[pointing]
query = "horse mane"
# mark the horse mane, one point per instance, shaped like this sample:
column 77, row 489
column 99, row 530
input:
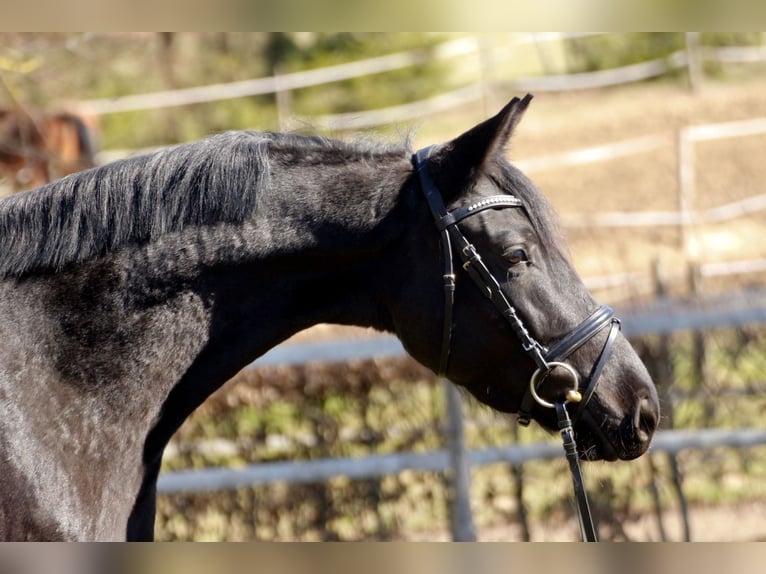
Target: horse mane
column 215, row 180
column 139, row 199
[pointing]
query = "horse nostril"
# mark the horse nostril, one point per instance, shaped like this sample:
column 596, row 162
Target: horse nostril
column 647, row 418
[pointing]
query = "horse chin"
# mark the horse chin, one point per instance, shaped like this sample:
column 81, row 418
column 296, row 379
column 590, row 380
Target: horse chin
column 604, row 442
column 592, row 444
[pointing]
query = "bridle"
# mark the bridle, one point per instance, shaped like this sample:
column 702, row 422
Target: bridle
column 545, row 359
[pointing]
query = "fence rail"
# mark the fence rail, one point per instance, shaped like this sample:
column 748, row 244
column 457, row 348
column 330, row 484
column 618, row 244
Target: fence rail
column 275, row 84
column 394, row 114
column 468, row 46
column 594, row 154
column 603, row 78
column 376, row 466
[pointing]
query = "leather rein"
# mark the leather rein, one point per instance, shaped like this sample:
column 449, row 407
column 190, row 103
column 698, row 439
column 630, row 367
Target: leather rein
column 546, row 360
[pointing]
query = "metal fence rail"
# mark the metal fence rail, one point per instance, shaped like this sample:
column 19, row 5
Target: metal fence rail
column 375, row 466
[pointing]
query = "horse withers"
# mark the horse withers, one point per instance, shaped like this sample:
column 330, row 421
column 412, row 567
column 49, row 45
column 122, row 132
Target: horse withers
column 130, row 292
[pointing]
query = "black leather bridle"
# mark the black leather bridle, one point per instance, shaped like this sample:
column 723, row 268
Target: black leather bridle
column 545, row 359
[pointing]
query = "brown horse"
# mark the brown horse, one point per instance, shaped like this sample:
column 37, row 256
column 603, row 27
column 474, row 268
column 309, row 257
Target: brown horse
column 37, row 147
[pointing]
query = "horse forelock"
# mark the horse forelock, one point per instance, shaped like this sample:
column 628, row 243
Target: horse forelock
column 137, row 200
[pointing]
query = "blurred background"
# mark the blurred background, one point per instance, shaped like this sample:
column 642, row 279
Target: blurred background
column 650, row 146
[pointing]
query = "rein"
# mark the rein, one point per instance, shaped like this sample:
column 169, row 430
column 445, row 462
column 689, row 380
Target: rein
column 546, row 360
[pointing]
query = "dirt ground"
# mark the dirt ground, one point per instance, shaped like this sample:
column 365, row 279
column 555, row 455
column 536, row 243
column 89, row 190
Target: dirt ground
column 738, row 523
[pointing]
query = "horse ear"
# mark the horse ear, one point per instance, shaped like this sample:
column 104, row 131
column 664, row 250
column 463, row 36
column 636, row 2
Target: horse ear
column 457, row 162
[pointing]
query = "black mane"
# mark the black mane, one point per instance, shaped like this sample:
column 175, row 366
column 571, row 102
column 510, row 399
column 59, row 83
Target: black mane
column 218, row 179
column 137, row 200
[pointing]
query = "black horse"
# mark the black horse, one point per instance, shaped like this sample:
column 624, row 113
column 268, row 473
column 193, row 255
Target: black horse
column 130, row 292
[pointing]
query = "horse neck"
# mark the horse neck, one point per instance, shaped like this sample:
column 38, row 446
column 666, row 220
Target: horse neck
column 313, row 252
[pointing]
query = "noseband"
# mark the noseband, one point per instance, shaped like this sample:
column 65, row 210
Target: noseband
column 546, row 360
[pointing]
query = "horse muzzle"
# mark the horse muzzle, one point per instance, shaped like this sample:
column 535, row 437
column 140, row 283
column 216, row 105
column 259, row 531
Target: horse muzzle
column 602, row 436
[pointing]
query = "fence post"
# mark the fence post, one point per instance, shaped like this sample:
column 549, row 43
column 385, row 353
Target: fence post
column 685, row 157
column 459, row 478
column 699, row 348
column 665, row 379
column 517, row 471
column 656, row 501
column 658, row 362
column 283, row 99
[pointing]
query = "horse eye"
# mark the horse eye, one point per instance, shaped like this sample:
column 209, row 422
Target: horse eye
column 516, row 256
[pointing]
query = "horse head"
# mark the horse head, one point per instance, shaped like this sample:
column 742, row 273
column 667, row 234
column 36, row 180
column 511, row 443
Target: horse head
column 523, row 332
